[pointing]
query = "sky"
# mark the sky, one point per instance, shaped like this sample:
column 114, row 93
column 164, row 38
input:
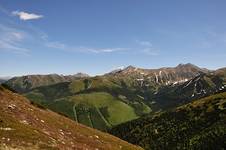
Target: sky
column 97, row 36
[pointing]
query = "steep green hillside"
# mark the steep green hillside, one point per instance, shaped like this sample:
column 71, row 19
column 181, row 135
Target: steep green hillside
column 26, row 127
column 97, row 102
column 197, row 125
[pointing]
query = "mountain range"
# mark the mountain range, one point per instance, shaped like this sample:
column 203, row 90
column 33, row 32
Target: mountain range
column 103, row 102
column 118, row 101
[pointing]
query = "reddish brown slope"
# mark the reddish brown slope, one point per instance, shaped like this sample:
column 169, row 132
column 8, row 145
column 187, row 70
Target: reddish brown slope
column 25, row 126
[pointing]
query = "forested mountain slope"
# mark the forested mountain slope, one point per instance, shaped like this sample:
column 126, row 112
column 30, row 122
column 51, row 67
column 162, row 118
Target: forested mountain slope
column 197, row 125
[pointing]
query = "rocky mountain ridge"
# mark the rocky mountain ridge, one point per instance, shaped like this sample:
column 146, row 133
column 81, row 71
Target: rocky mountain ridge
column 161, row 76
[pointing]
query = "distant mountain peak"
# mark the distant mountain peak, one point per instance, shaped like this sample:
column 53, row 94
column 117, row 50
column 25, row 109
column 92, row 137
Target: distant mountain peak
column 130, row 67
column 80, row 74
column 123, row 69
column 190, row 66
column 186, row 65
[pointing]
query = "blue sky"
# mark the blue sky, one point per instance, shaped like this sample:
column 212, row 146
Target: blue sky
column 65, row 37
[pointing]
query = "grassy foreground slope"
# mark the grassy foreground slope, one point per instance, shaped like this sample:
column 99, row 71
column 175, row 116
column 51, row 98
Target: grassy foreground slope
column 24, row 126
column 198, row 125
